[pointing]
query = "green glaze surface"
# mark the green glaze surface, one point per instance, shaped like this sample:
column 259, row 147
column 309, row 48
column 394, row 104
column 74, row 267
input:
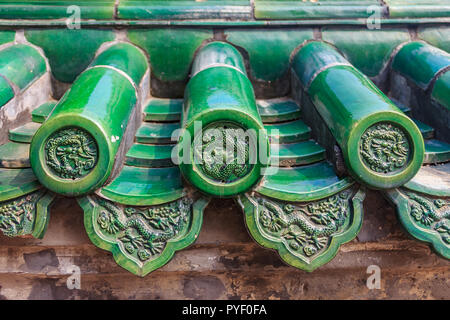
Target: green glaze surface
column 142, row 239
column 74, row 151
column 41, row 113
column 420, row 62
column 16, row 183
column 74, row 51
column 432, row 180
column 288, row 9
column 315, row 57
column 436, row 36
column 436, row 151
column 268, row 65
column 305, row 183
column 418, row 8
column 15, row 155
column 217, row 54
column 184, row 9
column 163, row 110
column 368, row 50
column 50, row 9
column 270, row 110
column 7, row 36
column 295, row 154
column 26, row 215
column 154, row 132
column 145, row 186
column 150, row 155
column 426, row 130
column 424, row 216
column 361, row 118
column 278, row 110
column 24, row 133
column 306, row 235
column 441, row 90
column 288, row 132
column 21, row 64
column 6, row 92
column 171, row 50
column 119, row 56
column 220, row 97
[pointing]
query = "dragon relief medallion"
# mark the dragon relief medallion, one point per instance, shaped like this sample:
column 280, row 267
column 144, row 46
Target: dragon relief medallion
column 143, row 232
column 430, row 213
column 222, row 152
column 305, row 229
column 17, row 215
column 71, row 153
column 384, row 148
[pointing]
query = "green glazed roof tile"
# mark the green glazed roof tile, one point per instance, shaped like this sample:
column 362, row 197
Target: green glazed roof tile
column 153, row 132
column 432, row 179
column 295, row 154
column 278, row 110
column 75, row 50
column 145, row 186
column 51, row 9
column 292, row 131
column 149, row 155
column 289, row 9
column 24, row 133
column 164, row 110
column 436, row 151
column 420, row 62
column 184, row 9
column 441, row 90
column 426, row 130
column 270, row 110
column 17, row 182
column 15, row 155
column 6, row 92
column 41, row 113
column 418, row 8
column 303, row 183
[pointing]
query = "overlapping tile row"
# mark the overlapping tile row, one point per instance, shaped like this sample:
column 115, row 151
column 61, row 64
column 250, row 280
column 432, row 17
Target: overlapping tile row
column 229, row 9
column 330, row 134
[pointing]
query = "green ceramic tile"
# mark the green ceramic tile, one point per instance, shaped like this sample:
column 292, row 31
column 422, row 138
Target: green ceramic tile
column 302, row 183
column 6, row 91
column 69, row 52
column 51, row 9
column 15, row 155
column 24, row 133
column 289, row 9
column 149, row 155
column 171, row 50
column 436, row 151
column 420, row 62
column 164, row 110
column 184, row 9
column 145, row 186
column 426, row 130
column 438, row 36
column 16, row 183
column 441, row 90
column 41, row 113
column 21, row 64
column 153, row 132
column 268, row 65
column 367, row 50
column 292, row 131
column 418, row 8
column 278, row 110
column 296, row 154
